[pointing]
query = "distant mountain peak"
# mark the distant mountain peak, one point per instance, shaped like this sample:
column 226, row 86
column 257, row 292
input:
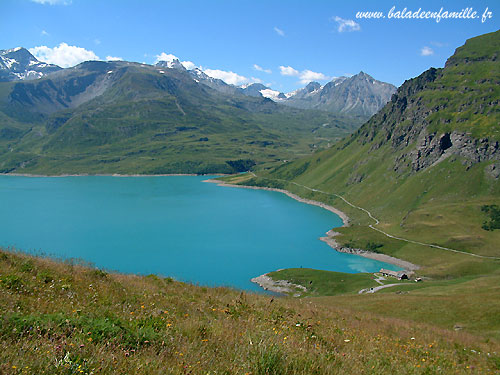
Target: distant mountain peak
column 171, row 64
column 19, row 64
column 312, row 86
column 359, row 94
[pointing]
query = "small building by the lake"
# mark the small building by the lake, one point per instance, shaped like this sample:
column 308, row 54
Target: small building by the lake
column 400, row 275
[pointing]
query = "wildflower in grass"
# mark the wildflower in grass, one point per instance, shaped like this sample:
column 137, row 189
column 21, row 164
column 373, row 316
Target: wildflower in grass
column 142, row 307
column 347, row 340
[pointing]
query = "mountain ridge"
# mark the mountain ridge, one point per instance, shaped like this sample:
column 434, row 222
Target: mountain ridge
column 123, row 117
column 18, row 64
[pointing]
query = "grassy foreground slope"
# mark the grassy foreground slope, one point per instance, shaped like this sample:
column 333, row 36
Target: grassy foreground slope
column 62, row 318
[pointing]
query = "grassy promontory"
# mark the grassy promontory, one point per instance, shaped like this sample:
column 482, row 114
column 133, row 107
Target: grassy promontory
column 64, row 318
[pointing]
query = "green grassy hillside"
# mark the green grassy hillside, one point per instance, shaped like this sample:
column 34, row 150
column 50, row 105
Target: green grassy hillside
column 64, row 318
column 128, row 118
column 418, row 168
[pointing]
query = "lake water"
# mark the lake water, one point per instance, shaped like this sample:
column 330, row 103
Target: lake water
column 176, row 226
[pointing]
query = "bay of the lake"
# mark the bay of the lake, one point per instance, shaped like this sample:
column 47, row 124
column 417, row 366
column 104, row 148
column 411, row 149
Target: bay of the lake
column 176, row 226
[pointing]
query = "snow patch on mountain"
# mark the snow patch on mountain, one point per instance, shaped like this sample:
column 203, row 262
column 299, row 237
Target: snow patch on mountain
column 271, row 94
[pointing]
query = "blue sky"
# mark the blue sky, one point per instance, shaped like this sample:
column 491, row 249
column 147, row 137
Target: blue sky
column 291, row 41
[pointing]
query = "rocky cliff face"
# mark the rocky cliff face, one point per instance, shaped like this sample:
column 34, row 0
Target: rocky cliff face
column 432, row 149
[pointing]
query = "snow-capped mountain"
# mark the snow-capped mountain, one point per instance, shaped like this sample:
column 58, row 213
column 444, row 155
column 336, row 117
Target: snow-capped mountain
column 260, row 90
column 172, row 64
column 19, row 64
column 215, row 83
column 360, row 94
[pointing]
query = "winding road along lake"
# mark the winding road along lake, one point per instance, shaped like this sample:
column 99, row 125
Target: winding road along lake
column 175, row 226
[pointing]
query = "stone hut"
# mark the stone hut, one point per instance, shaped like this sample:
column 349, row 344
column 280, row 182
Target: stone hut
column 400, row 275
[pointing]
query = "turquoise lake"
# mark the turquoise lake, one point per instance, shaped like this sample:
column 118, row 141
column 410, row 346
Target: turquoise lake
column 176, row 226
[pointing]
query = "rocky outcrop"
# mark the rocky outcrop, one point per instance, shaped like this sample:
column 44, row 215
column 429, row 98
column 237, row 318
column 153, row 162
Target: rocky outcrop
column 432, row 149
column 493, row 170
column 278, row 286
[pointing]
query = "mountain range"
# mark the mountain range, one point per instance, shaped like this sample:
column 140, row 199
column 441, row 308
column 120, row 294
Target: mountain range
column 359, row 94
column 128, row 117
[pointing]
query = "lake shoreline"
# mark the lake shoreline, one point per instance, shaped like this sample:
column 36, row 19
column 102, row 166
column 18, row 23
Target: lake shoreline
column 329, row 238
column 330, row 241
column 345, row 219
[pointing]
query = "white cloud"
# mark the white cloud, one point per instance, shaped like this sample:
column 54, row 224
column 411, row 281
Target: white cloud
column 307, row 76
column 288, row 71
column 165, row 57
column 279, row 31
column 426, row 51
column 53, row 2
column 44, row 33
column 188, row 65
column 346, row 25
column 63, row 55
column 112, row 58
column 261, row 69
column 227, row 76
column 169, row 58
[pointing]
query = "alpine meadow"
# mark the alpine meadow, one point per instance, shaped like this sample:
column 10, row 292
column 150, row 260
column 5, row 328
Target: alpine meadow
column 254, row 206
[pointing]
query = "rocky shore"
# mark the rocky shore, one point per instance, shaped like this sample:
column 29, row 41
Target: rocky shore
column 280, row 286
column 330, row 240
